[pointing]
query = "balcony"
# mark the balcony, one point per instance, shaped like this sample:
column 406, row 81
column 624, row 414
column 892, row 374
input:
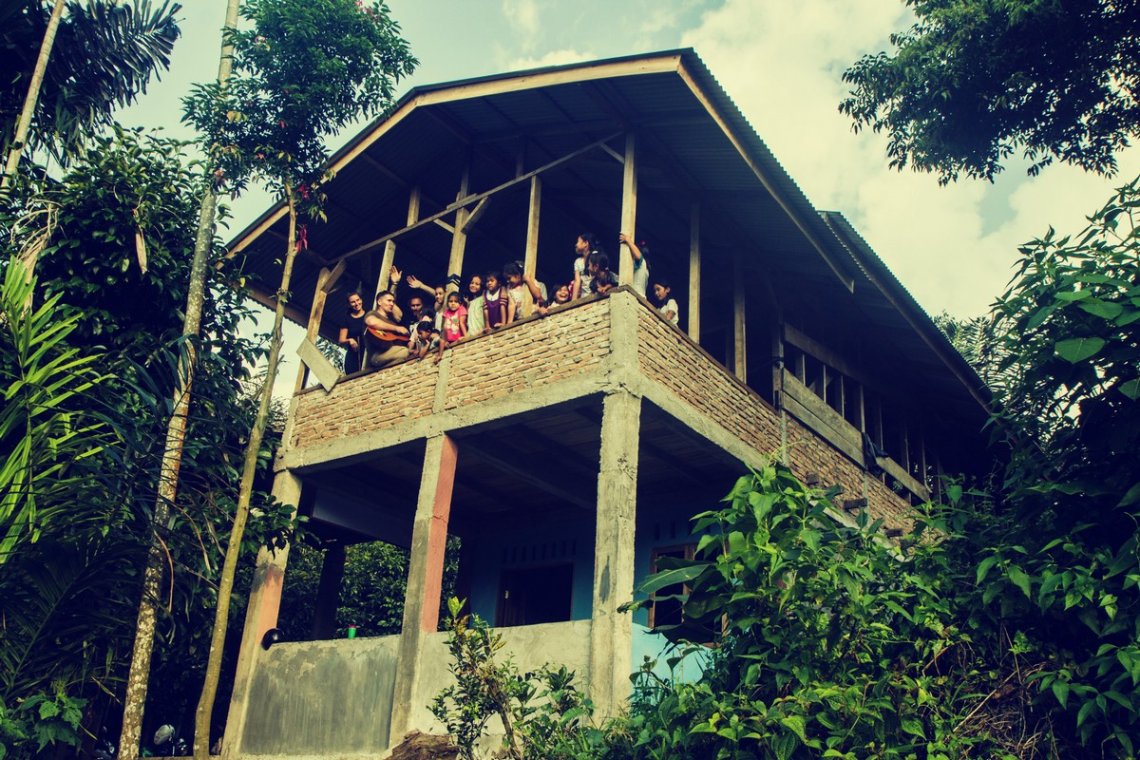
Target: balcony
column 542, row 379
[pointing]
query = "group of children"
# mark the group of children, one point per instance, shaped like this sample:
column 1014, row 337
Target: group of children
column 387, row 335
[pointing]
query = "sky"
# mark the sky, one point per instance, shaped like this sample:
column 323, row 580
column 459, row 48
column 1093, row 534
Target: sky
column 781, row 61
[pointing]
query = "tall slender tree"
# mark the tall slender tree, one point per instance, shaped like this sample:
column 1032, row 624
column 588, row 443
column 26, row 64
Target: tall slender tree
column 134, row 701
column 302, row 71
column 23, row 124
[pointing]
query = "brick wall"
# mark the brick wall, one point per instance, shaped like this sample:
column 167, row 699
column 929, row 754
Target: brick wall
column 668, row 358
column 533, row 353
column 568, row 342
column 365, row 404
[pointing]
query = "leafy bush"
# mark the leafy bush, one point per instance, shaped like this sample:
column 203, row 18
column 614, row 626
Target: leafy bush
column 42, row 720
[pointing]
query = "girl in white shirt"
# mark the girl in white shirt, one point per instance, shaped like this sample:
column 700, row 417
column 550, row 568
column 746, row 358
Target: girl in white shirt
column 666, row 304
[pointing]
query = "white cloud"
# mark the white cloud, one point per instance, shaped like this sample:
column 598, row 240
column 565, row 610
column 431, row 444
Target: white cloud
column 552, row 58
column 522, row 16
column 782, row 62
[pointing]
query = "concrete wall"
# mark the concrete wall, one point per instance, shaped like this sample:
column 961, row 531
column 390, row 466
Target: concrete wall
column 528, row 646
column 322, row 698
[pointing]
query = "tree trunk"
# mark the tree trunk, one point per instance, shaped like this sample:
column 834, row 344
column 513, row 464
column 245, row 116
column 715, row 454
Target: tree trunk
column 30, row 100
column 134, row 701
column 233, row 548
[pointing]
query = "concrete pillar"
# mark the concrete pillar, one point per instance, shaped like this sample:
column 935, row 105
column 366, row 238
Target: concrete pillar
column 425, row 575
column 260, row 616
column 328, row 593
column 611, row 633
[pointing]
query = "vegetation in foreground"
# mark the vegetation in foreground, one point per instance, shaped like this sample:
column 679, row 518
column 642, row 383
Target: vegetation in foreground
column 1005, row 625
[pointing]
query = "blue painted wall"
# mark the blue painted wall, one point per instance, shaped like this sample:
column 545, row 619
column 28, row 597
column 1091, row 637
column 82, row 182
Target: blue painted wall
column 659, row 525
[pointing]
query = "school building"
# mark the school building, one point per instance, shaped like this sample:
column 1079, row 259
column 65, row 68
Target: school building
column 568, row 451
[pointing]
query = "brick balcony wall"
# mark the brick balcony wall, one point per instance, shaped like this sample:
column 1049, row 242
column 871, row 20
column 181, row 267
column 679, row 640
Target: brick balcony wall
column 667, row 357
column 365, row 404
column 571, row 342
column 537, row 352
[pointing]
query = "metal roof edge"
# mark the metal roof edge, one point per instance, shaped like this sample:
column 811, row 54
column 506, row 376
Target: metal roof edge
column 896, row 293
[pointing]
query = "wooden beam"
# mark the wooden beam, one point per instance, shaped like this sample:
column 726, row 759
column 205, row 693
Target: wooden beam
column 694, row 322
column 739, row 344
column 473, row 217
column 628, row 208
column 530, row 255
column 475, row 198
column 389, row 257
column 334, row 275
column 459, row 236
column 313, row 327
column 535, row 80
column 614, row 154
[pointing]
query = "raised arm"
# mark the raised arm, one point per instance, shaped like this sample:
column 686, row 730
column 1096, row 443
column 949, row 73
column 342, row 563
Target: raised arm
column 633, row 249
column 532, row 286
column 414, row 282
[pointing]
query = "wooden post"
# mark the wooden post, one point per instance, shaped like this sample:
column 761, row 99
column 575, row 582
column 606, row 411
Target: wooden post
column 778, row 367
column 905, row 447
column 739, row 354
column 425, row 573
column 695, row 273
column 530, row 259
column 326, row 280
column 390, row 247
column 628, row 208
column 611, row 632
column 862, row 401
column 459, row 235
column 923, row 478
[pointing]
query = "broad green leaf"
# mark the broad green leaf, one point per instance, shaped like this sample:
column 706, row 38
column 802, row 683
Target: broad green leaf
column 1105, row 309
column 1078, row 349
column 1131, row 389
column 681, row 575
column 1061, row 692
column 984, row 567
column 1018, row 578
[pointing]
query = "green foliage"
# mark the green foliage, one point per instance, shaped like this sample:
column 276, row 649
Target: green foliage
column 973, row 83
column 543, row 714
column 45, row 440
column 85, row 226
column 45, row 719
column 302, row 71
column 831, row 643
column 105, row 53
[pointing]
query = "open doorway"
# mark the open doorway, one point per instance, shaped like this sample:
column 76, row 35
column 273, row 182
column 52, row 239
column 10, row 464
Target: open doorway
column 532, row 595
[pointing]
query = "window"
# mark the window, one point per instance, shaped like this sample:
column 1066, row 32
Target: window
column 664, row 611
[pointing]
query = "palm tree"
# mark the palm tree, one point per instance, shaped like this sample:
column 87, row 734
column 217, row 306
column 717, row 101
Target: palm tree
column 113, row 49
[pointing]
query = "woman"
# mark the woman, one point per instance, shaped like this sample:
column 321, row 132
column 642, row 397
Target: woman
column 352, row 333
